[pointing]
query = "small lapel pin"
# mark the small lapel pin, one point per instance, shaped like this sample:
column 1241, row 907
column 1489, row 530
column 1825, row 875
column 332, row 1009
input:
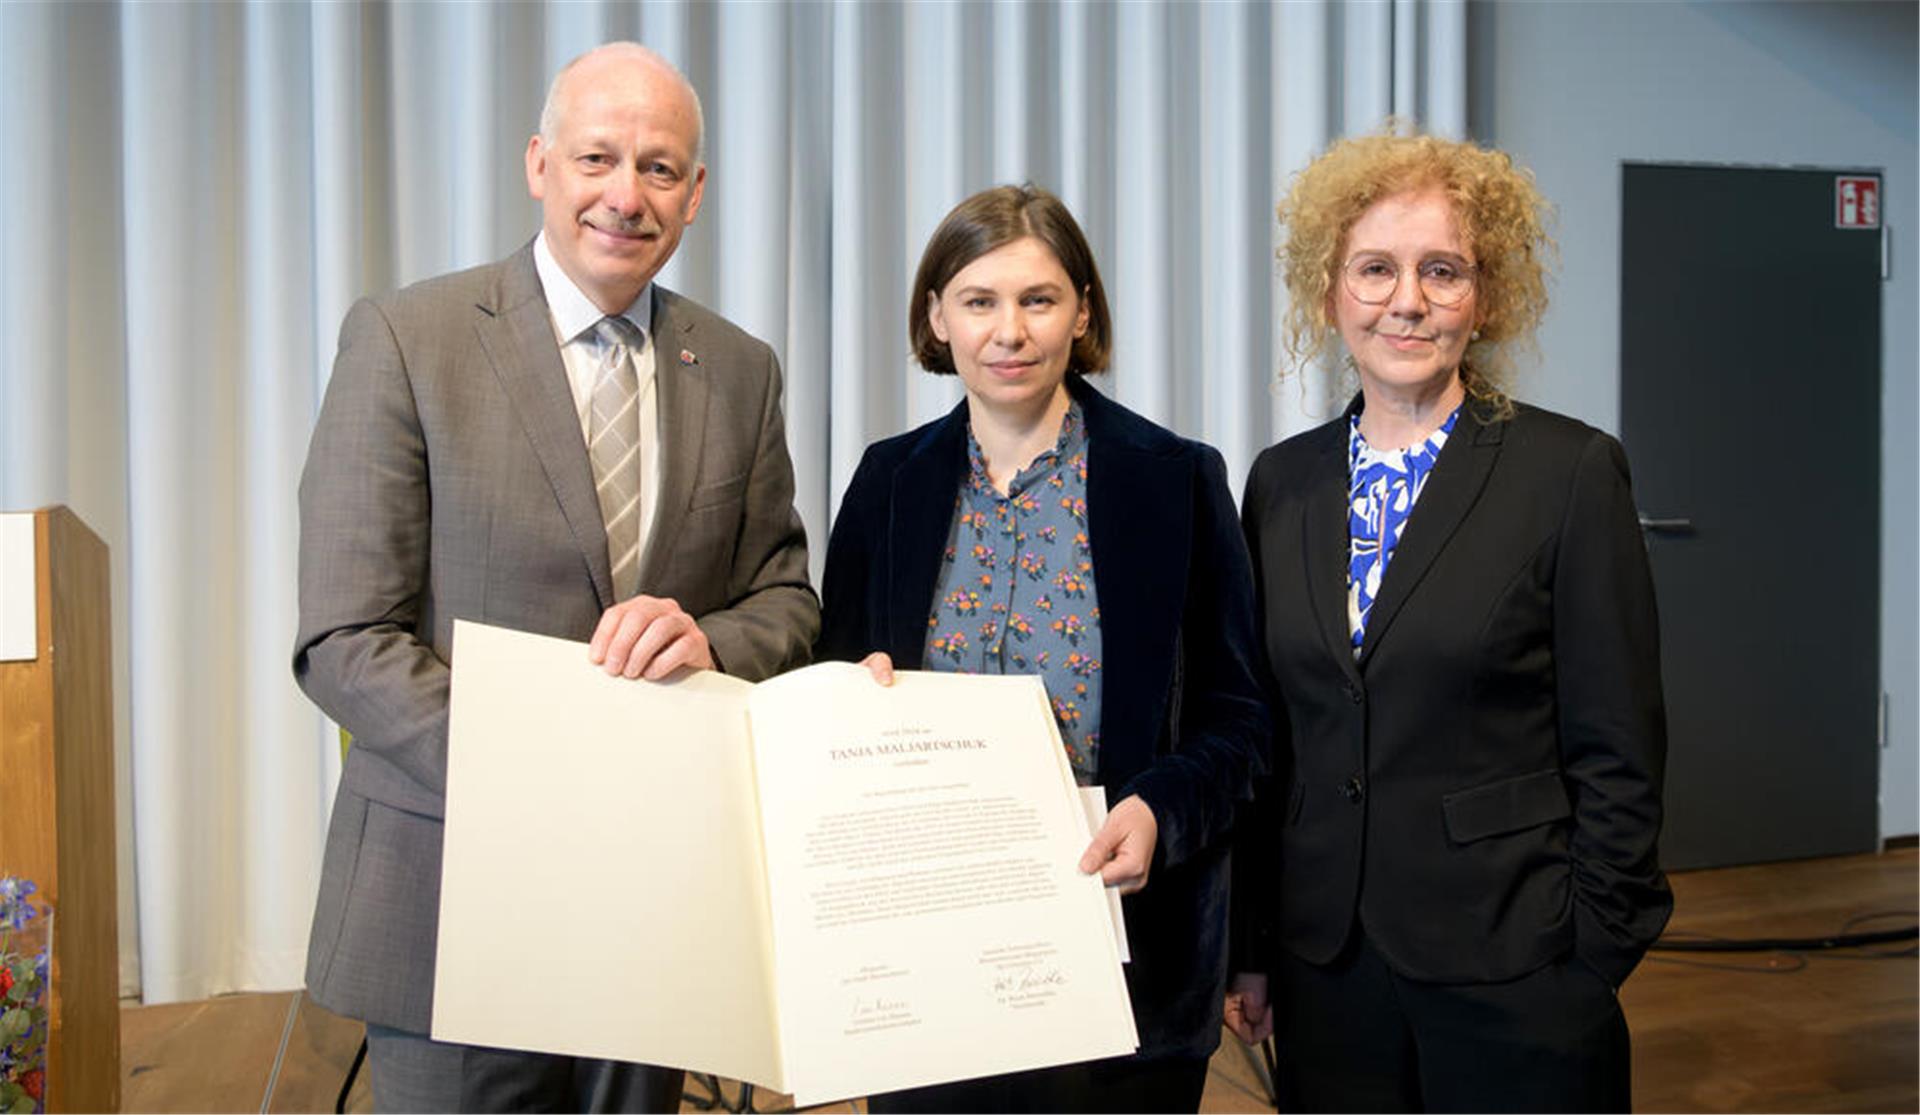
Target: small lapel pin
column 688, row 358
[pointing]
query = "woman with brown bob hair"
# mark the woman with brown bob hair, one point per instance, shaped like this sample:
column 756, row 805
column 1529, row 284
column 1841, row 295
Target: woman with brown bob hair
column 1455, row 867
column 1041, row 528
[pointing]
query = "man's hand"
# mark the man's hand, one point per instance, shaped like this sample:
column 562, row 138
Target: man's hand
column 880, row 665
column 1249, row 1014
column 1122, row 850
column 650, row 637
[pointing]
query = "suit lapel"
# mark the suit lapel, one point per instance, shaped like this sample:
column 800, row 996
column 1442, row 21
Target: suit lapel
column 1458, row 478
column 683, row 395
column 516, row 333
column 1140, row 525
column 920, row 516
column 1324, row 539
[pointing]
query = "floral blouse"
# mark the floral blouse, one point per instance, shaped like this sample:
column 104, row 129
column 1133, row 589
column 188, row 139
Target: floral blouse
column 1383, row 485
column 1015, row 593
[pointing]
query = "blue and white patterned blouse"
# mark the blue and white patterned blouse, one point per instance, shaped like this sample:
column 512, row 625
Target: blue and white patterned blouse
column 1015, row 594
column 1382, row 487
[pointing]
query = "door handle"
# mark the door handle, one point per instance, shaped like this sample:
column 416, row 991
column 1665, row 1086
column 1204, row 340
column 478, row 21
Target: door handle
column 1651, row 525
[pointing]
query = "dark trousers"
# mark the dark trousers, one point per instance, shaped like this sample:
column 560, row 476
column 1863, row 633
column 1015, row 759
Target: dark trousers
column 1357, row 1036
column 412, row 1072
column 1115, row 1084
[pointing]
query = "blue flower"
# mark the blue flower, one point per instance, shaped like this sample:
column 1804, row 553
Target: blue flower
column 16, row 909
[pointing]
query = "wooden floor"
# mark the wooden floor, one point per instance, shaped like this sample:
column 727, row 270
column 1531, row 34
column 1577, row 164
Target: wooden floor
column 1826, row 1031
column 1830, row 1031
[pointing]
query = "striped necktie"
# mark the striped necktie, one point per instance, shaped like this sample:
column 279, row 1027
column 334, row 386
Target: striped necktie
column 613, row 445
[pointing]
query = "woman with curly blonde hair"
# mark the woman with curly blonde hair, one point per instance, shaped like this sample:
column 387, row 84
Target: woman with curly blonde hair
column 1455, row 868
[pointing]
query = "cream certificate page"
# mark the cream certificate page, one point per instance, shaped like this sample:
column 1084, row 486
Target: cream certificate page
column 930, row 920
column 602, row 891
column 817, row 884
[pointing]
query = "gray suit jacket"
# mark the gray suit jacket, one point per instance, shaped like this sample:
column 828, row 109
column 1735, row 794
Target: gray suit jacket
column 447, row 478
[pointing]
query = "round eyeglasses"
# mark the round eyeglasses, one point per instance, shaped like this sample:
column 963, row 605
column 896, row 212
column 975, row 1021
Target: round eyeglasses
column 1444, row 280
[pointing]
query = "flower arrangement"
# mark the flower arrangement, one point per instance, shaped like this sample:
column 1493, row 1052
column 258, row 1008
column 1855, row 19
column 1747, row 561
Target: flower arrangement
column 26, row 943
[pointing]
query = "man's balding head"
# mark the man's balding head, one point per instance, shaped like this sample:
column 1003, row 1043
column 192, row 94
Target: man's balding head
column 618, row 53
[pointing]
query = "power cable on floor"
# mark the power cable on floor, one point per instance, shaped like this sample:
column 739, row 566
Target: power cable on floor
column 280, row 1054
column 1785, row 964
column 1793, row 950
column 1704, row 943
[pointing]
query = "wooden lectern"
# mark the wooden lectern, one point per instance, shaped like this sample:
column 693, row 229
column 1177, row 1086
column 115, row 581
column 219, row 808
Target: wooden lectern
column 56, row 802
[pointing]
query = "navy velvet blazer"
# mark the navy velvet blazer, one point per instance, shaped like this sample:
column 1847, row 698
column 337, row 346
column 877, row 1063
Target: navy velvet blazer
column 1182, row 718
column 1480, row 790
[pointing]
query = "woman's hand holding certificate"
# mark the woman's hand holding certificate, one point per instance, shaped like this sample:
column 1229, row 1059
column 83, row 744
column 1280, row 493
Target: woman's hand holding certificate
column 1122, row 850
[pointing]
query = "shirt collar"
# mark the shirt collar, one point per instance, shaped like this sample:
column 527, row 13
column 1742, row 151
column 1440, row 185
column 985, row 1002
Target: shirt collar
column 1358, row 450
column 572, row 311
column 1072, row 438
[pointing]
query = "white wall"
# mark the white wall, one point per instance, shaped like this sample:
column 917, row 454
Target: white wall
column 1572, row 89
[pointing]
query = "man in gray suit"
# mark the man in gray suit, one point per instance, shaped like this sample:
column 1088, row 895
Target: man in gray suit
column 550, row 443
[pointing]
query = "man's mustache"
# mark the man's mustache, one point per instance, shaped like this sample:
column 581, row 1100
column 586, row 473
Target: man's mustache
column 640, row 225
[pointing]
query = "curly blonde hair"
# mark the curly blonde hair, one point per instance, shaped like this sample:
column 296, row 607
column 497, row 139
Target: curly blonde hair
column 1502, row 216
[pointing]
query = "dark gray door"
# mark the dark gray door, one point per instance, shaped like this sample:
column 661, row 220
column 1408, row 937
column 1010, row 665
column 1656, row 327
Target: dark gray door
column 1750, row 407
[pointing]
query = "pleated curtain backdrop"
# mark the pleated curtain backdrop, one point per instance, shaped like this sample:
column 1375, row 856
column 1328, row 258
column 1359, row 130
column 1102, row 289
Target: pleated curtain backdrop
column 191, row 195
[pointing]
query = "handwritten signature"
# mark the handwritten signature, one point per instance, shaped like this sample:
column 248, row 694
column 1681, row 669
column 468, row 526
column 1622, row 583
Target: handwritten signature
column 869, row 1008
column 1028, row 978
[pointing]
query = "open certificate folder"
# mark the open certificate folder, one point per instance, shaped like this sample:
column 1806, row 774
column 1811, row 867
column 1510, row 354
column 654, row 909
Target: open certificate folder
column 815, row 884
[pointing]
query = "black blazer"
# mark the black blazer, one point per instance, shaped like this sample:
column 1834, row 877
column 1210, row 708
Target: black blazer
column 1481, row 789
column 1181, row 718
